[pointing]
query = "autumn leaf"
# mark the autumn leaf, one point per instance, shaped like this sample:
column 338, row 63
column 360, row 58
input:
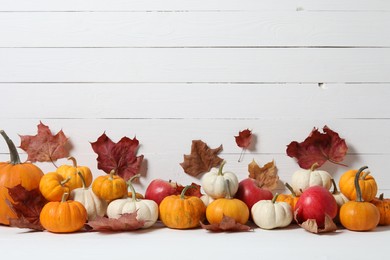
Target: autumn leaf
column 27, row 205
column 121, row 157
column 44, row 146
column 125, row 222
column 311, row 225
column 227, row 224
column 318, row 148
column 195, row 191
column 243, row 140
column 201, row 159
column 266, row 177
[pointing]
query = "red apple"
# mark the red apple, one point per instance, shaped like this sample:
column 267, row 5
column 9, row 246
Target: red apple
column 158, row 189
column 314, row 203
column 250, row 193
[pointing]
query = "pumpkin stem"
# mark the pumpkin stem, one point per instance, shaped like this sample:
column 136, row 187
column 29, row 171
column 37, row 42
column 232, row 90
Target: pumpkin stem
column 15, row 159
column 288, row 186
column 221, row 167
column 357, row 186
column 73, row 161
column 134, row 177
column 381, row 196
column 82, row 180
column 130, row 185
column 65, row 181
column 335, row 190
column 64, row 196
column 183, row 192
column 314, row 166
column 112, row 173
column 365, row 174
column 275, row 198
column 227, row 187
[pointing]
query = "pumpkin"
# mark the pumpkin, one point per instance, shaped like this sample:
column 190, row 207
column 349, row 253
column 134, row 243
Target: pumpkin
column 303, row 179
column 359, row 215
column 270, row 214
column 214, row 182
column 182, row 212
column 230, row 207
column 53, row 186
column 384, row 209
column 147, row 210
column 109, row 187
column 340, row 200
column 71, row 171
column 63, row 216
column 206, row 199
column 367, row 183
column 94, row 205
column 13, row 173
column 291, row 199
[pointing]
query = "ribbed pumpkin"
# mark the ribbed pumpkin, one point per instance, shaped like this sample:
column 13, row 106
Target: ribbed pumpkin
column 53, row 186
column 359, row 215
column 13, row 173
column 367, row 184
column 71, row 171
column 291, row 199
column 109, row 187
column 182, row 212
column 63, row 216
column 384, row 209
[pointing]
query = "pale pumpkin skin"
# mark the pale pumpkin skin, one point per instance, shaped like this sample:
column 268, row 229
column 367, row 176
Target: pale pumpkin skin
column 303, row 179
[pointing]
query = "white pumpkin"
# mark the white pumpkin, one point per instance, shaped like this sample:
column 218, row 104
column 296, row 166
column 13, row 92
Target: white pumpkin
column 147, row 210
column 270, row 214
column 206, row 199
column 303, row 179
column 340, row 198
column 218, row 184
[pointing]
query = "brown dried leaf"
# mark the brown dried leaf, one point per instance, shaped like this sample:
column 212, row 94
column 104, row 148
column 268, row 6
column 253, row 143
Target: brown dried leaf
column 126, row 222
column 311, row 225
column 227, row 224
column 266, row 177
column 201, row 159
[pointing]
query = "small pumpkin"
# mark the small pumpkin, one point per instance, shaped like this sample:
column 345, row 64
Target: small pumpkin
column 13, row 173
column 270, row 214
column 359, row 215
column 291, row 199
column 230, row 207
column 147, row 210
column 182, row 212
column 367, row 184
column 214, row 182
column 109, row 187
column 206, row 199
column 71, row 171
column 94, row 205
column 53, row 186
column 63, row 216
column 303, row 179
column 384, row 209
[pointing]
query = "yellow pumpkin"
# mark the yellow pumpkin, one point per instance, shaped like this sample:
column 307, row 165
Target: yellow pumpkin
column 367, row 184
column 53, row 186
column 109, row 187
column 71, row 171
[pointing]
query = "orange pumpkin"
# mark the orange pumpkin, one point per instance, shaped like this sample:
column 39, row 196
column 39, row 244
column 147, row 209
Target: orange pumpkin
column 291, row 199
column 109, row 187
column 53, row 186
column 359, row 215
column 71, row 171
column 63, row 216
column 383, row 206
column 182, row 212
column 367, row 184
column 13, row 173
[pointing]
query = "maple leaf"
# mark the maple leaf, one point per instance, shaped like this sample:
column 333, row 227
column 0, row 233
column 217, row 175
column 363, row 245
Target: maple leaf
column 120, row 156
column 45, row 147
column 311, row 225
column 195, row 191
column 125, row 222
column 243, row 140
column 27, row 205
column 201, row 159
column 318, row 148
column 227, row 224
column 266, row 177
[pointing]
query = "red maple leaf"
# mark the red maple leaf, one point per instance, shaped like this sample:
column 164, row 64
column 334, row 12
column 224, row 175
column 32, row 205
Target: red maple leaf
column 318, row 148
column 244, row 138
column 45, row 147
column 125, row 222
column 121, row 157
column 195, row 191
column 227, row 224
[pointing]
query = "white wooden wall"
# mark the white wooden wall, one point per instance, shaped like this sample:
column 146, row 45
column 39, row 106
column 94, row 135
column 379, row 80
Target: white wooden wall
column 172, row 71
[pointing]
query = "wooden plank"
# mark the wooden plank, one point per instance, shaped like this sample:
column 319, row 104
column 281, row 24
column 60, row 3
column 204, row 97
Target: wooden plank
column 192, row 5
column 195, row 65
column 192, row 29
column 237, row 101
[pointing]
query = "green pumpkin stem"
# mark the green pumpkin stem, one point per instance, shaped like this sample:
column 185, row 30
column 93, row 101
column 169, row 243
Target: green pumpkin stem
column 335, row 190
column 65, row 181
column 112, row 173
column 275, row 198
column 183, row 192
column 74, row 162
column 288, row 186
column 221, row 167
column 82, row 180
column 14, row 155
column 314, row 166
column 64, row 197
column 130, row 185
column 357, row 186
